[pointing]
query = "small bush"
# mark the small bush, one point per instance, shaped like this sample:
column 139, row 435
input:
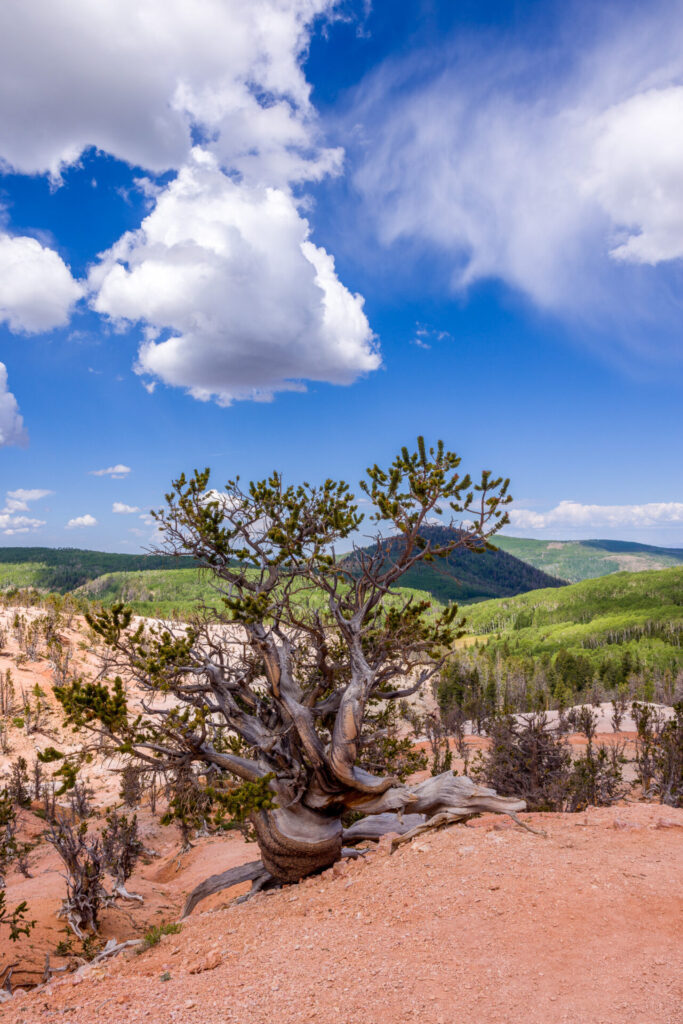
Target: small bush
column 153, row 936
column 528, row 760
column 659, row 753
column 121, row 847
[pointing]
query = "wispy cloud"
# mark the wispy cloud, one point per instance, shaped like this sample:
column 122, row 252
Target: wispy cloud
column 560, row 177
column 118, row 472
column 573, row 514
column 17, row 501
column 425, row 336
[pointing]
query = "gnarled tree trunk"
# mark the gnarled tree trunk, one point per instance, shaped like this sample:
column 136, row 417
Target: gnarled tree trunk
column 295, row 842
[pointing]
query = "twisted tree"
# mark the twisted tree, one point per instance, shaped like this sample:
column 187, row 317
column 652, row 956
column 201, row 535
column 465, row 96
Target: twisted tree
column 268, row 691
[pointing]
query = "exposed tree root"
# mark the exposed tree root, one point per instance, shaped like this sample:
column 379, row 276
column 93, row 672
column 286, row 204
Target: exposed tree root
column 113, row 948
column 120, row 890
column 254, row 871
column 440, row 820
column 523, row 824
column 377, row 825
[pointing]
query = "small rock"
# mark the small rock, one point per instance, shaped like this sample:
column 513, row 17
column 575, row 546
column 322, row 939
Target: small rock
column 384, row 845
column 211, row 960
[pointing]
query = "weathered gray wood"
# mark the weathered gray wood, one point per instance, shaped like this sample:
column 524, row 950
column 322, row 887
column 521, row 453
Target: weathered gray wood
column 440, row 820
column 378, row 825
column 295, row 841
column 457, row 794
column 216, row 883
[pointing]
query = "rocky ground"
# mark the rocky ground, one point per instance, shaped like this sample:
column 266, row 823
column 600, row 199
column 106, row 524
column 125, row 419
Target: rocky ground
column 484, row 922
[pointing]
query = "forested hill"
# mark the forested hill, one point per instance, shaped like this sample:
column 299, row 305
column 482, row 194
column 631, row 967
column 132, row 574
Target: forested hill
column 64, row 569
column 470, row 575
column 576, row 560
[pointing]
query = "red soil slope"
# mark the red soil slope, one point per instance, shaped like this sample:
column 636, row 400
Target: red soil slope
column 484, row 923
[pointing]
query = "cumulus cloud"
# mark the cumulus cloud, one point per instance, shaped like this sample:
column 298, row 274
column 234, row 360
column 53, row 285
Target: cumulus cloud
column 11, row 422
column 117, row 472
column 636, row 174
column 124, row 510
column 133, row 79
column 37, row 291
column 560, row 178
column 237, row 300
column 18, row 501
column 86, row 520
column 19, row 524
column 573, row 514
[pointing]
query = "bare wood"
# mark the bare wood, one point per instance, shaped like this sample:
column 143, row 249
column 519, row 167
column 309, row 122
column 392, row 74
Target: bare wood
column 216, row 883
column 440, row 820
column 524, row 825
column 377, row 825
column 119, row 889
column 113, row 948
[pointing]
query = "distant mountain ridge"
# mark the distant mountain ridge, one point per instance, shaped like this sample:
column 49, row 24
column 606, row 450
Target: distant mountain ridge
column 521, row 564
column 64, row 569
column 576, row 560
column 466, row 576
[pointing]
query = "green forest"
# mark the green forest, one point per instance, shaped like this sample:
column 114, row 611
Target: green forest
column 616, row 635
column 575, row 560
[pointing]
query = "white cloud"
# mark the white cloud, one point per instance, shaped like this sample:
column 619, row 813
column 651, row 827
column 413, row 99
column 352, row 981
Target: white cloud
column 19, row 524
column 550, row 175
column 237, row 301
column 18, row 501
column 118, row 472
column 124, row 510
column 131, row 78
column 425, row 336
column 11, row 422
column 573, row 514
column 37, row 290
column 637, row 171
column 86, row 520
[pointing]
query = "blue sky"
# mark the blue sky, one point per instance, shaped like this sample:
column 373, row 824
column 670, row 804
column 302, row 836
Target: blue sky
column 294, row 235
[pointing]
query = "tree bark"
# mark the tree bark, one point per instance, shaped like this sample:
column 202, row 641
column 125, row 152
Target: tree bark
column 250, row 872
column 297, row 841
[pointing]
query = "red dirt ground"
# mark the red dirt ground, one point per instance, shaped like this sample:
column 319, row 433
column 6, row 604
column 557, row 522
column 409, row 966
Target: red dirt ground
column 485, row 922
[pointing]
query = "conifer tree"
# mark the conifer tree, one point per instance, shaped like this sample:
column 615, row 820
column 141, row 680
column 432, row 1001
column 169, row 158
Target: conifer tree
column 271, row 699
